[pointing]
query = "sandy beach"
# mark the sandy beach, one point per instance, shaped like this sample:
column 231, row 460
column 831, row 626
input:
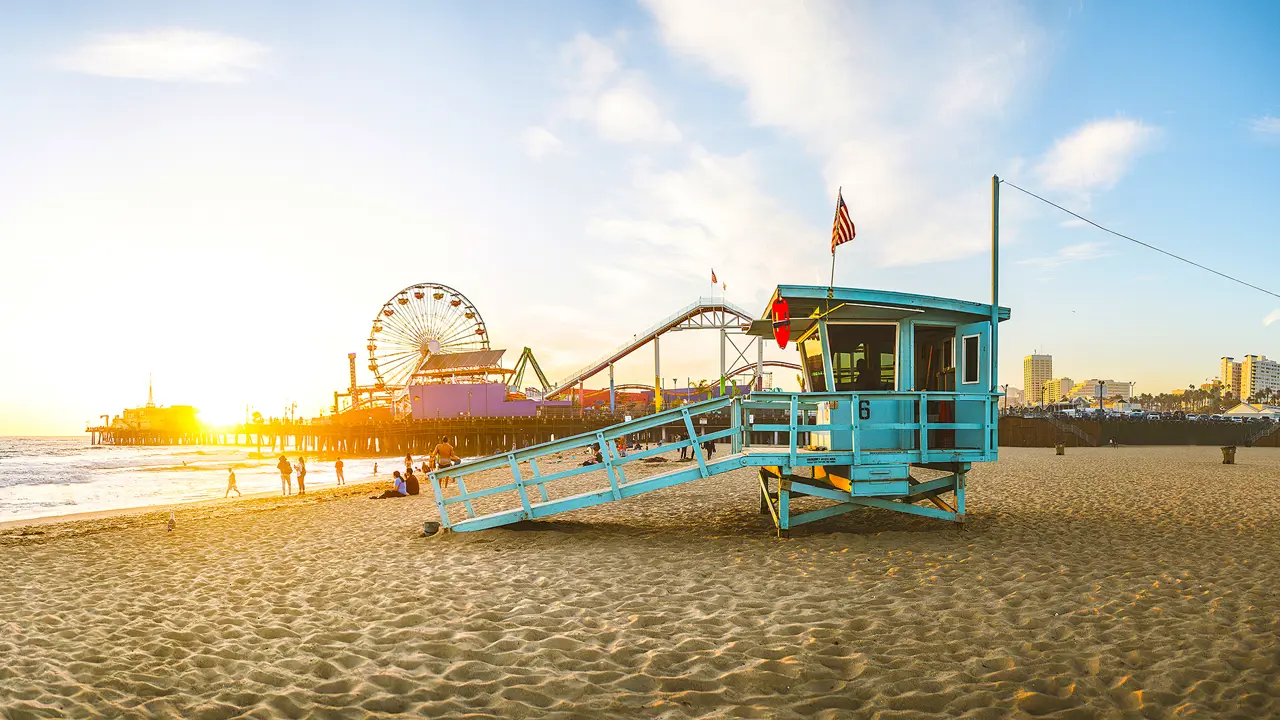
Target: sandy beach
column 1130, row 582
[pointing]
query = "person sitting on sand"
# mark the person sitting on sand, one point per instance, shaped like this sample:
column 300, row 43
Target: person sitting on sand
column 398, row 491
column 286, row 473
column 231, row 484
column 337, row 469
column 411, row 483
column 596, row 457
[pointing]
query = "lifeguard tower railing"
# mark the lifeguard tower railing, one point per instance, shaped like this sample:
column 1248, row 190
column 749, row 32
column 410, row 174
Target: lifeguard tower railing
column 876, row 476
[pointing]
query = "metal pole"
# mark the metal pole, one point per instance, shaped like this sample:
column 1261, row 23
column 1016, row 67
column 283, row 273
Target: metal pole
column 995, row 313
column 759, row 363
column 657, row 377
column 995, row 279
column 611, row 391
column 722, row 367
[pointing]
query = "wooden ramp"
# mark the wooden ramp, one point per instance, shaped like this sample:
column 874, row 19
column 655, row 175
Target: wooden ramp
column 853, row 479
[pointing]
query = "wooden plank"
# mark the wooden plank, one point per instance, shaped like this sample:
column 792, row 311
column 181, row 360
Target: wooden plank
column 542, row 490
column 825, row 512
column 524, row 495
column 697, row 450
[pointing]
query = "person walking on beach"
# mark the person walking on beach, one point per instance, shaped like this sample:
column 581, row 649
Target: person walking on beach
column 684, row 451
column 302, row 475
column 408, row 462
column 286, row 476
column 444, row 455
column 231, row 483
column 337, row 468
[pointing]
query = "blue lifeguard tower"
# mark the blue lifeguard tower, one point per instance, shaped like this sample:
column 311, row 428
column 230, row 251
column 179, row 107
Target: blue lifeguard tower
column 894, row 384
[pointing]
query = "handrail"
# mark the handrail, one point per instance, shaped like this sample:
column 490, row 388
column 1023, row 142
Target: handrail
column 1261, row 433
column 738, row 433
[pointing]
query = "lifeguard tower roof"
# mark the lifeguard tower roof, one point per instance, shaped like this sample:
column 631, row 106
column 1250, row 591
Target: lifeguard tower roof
column 809, row 303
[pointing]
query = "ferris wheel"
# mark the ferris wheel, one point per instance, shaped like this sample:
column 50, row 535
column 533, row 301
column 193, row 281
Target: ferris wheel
column 418, row 322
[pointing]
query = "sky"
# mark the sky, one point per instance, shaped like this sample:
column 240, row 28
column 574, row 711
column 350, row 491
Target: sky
column 222, row 195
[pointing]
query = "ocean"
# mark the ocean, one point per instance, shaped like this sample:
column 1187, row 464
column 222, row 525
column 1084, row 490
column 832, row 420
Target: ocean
column 63, row 475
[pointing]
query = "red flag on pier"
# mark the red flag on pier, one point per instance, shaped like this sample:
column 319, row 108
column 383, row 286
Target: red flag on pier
column 842, row 228
column 713, row 276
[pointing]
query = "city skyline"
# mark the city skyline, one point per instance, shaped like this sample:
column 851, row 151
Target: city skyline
column 224, row 195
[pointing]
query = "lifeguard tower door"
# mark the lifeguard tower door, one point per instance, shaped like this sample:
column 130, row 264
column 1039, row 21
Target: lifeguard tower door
column 973, row 375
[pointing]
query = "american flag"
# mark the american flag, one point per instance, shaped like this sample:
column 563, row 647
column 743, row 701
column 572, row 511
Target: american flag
column 842, row 228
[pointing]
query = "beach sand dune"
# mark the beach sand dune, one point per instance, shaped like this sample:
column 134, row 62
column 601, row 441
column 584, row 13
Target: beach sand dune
column 1132, row 582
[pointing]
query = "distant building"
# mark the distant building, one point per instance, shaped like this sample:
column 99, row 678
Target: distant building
column 1056, row 389
column 1230, row 376
column 1249, row 410
column 1036, row 371
column 1258, row 377
column 175, row 418
column 1110, row 388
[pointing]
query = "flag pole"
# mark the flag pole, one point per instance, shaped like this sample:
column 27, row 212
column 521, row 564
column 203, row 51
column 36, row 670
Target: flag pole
column 831, row 286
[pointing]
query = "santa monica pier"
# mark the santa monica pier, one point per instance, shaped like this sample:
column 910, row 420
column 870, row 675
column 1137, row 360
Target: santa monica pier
column 433, row 370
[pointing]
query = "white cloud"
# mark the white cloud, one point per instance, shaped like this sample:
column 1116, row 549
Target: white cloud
column 897, row 102
column 626, row 113
column 618, row 104
column 1069, row 254
column 706, row 214
column 539, row 141
column 170, row 55
column 590, row 61
column 1273, row 317
column 1267, row 126
column 1095, row 156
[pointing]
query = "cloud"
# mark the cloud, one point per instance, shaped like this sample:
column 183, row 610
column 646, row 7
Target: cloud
column 590, row 62
column 897, row 103
column 1273, row 317
column 707, row 213
column 1095, row 156
column 626, row 113
column 170, row 55
column 618, row 104
column 539, row 141
column 1069, row 254
column 1267, row 126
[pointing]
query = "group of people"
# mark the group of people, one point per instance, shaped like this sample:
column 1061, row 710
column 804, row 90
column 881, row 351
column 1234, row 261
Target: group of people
column 300, row 469
column 686, row 452
column 443, row 456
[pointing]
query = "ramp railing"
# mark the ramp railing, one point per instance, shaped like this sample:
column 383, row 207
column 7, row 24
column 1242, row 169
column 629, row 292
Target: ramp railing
column 1076, row 430
column 611, row 461
column 1261, row 433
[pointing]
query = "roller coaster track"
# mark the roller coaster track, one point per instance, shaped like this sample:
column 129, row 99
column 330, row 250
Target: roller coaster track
column 705, row 314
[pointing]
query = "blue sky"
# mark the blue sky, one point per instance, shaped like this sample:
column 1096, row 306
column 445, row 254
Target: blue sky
column 225, row 194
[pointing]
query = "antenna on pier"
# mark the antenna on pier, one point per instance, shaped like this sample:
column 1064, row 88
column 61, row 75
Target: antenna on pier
column 151, row 400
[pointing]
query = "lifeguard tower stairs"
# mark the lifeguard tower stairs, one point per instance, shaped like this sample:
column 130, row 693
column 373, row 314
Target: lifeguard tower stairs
column 881, row 373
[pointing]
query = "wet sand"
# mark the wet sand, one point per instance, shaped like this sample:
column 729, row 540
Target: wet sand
column 1131, row 582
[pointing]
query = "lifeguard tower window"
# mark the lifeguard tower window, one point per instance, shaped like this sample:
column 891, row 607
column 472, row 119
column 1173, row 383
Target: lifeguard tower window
column 972, row 370
column 811, row 352
column 863, row 356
